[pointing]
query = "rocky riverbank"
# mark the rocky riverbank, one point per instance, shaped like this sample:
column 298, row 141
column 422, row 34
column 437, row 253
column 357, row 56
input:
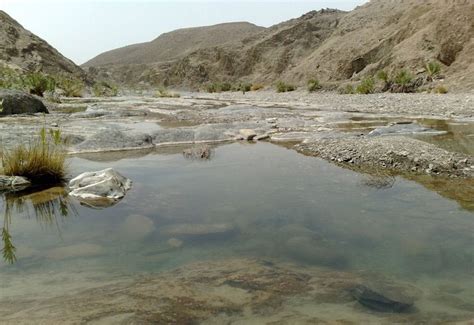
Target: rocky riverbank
column 381, row 131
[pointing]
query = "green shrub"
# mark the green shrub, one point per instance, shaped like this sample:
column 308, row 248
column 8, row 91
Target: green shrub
column 256, row 87
column 313, row 85
column 282, row 87
column 164, row 93
column 367, row 86
column 433, row 69
column 71, row 87
column 104, row 89
column 440, row 90
column 42, row 161
column 226, row 86
column 346, row 90
column 403, row 78
column 10, row 78
column 244, row 87
column 38, row 83
column 383, row 75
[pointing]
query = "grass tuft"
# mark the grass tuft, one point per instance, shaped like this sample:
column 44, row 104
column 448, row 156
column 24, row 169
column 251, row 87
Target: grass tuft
column 43, row 161
column 433, row 69
column 367, row 86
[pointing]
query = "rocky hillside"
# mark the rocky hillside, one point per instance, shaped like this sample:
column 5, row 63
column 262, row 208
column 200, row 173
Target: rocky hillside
column 330, row 45
column 21, row 49
column 176, row 44
column 394, row 34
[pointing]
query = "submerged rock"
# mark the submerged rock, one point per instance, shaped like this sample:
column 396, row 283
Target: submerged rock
column 101, row 188
column 13, row 183
column 200, row 152
column 311, row 251
column 383, row 298
column 17, row 102
column 193, row 230
column 136, row 227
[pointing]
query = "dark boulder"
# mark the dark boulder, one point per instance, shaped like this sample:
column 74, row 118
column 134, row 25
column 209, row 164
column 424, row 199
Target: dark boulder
column 383, row 300
column 17, row 102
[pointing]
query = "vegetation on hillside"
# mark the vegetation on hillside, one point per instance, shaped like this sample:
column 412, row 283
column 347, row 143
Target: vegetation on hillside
column 314, row 85
column 282, row 87
column 104, row 89
column 164, row 93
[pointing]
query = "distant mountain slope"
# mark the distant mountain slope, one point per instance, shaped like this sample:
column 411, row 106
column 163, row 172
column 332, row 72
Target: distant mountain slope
column 329, row 45
column 175, row 44
column 398, row 34
column 21, row 48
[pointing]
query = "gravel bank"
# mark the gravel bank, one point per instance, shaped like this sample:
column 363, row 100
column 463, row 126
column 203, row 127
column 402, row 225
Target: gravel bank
column 395, row 153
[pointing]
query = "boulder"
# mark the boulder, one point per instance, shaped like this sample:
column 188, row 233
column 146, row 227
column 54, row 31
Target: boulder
column 248, row 134
column 99, row 189
column 17, row 102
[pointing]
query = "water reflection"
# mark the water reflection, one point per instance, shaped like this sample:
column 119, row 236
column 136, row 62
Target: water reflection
column 46, row 205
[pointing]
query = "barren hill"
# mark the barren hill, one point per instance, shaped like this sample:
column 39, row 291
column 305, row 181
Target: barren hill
column 330, row 45
column 20, row 48
column 172, row 45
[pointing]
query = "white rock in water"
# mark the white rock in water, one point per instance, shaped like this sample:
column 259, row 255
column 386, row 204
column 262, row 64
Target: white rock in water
column 248, row 134
column 107, row 183
column 13, row 182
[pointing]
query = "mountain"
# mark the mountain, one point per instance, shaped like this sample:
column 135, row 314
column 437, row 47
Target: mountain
column 179, row 43
column 330, row 45
column 391, row 35
column 21, row 48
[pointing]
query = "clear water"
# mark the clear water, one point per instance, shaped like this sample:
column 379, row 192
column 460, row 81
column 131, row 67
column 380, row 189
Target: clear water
column 274, row 203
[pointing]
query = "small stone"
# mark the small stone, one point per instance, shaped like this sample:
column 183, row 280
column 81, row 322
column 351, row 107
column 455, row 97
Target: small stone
column 248, row 134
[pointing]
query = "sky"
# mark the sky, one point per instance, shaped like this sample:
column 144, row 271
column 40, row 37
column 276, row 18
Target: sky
column 82, row 29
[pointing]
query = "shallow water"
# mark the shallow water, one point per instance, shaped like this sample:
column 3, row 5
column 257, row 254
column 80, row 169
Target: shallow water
column 257, row 200
column 458, row 135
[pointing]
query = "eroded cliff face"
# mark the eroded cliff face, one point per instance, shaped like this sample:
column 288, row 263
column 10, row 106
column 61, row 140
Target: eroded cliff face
column 329, row 45
column 23, row 50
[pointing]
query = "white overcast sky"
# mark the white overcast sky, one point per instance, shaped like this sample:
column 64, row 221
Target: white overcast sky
column 81, row 29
